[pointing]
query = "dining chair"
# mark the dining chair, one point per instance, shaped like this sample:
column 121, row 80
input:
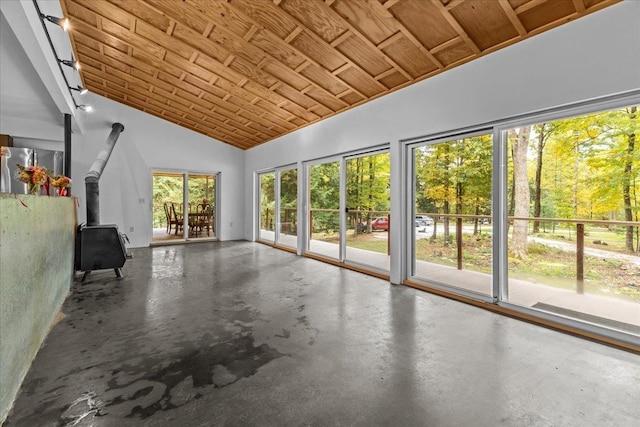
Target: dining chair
column 167, row 215
column 176, row 219
column 198, row 216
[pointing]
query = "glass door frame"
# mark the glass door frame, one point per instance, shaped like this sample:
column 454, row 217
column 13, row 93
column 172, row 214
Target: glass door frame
column 216, row 221
column 276, row 185
column 342, row 161
column 307, row 202
column 410, row 259
column 185, row 202
column 344, row 210
column 259, row 205
column 499, row 206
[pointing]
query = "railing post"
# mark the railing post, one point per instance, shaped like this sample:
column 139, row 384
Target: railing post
column 388, row 234
column 266, row 220
column 580, row 257
column 459, row 241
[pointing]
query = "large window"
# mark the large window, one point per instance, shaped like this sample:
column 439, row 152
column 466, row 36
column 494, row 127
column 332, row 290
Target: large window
column 573, row 198
column 452, row 234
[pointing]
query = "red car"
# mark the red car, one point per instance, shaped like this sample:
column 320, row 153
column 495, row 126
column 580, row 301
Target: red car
column 380, row 223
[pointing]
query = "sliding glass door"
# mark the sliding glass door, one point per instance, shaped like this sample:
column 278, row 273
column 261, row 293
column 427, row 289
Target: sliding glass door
column 266, row 231
column 201, row 206
column 543, row 220
column 573, row 198
column 168, row 197
column 368, row 210
column 348, row 210
column 184, row 206
column 287, row 191
column 324, row 209
column 279, row 207
column 451, row 238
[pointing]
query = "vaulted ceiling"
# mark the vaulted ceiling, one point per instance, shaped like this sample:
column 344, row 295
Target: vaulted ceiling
column 247, row 71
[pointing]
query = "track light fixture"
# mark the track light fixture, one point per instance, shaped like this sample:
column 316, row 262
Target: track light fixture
column 80, row 89
column 61, row 22
column 73, row 63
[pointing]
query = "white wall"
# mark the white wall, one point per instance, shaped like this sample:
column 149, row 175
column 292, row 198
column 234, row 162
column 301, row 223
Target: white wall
column 149, row 143
column 594, row 56
column 26, row 108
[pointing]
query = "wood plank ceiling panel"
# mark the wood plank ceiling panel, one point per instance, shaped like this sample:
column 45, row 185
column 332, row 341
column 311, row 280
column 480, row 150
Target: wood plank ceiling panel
column 248, row 71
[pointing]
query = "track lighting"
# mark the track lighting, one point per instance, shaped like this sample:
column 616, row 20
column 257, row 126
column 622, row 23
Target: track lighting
column 61, row 22
column 73, row 63
column 80, row 89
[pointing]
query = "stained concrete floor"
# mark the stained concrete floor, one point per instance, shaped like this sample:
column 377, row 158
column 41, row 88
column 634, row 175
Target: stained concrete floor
column 238, row 333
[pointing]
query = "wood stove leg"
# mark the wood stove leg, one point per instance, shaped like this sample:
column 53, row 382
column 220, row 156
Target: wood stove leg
column 118, row 272
column 85, row 275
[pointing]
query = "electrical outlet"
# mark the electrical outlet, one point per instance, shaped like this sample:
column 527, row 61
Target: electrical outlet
column 141, row 200
column 131, row 229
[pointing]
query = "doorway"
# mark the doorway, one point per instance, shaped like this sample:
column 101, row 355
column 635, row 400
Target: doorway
column 349, row 210
column 278, row 221
column 184, row 206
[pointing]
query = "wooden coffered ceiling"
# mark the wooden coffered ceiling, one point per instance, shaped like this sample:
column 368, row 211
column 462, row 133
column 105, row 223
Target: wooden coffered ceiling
column 247, row 71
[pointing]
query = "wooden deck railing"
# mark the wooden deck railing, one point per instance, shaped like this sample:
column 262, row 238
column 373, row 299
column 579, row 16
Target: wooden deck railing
column 579, row 229
column 460, row 219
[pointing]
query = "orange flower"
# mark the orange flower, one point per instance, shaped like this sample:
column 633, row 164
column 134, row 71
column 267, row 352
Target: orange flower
column 61, row 181
column 34, row 175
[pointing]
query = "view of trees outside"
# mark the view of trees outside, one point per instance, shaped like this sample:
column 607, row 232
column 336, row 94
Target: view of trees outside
column 267, row 206
column 577, row 170
column 288, row 205
column 585, row 169
column 367, row 198
column 169, row 188
column 368, row 194
column 453, row 190
column 572, row 195
column 324, row 208
column 166, row 188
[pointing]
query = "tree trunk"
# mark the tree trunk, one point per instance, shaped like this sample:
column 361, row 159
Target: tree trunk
column 372, row 176
column 435, row 227
column 626, row 185
column 512, row 196
column 576, row 176
column 537, row 205
column 475, row 220
column 446, row 194
column 521, row 196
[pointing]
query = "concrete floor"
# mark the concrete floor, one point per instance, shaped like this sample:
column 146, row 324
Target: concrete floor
column 238, row 333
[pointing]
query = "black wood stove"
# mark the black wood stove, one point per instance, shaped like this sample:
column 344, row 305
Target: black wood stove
column 100, row 246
